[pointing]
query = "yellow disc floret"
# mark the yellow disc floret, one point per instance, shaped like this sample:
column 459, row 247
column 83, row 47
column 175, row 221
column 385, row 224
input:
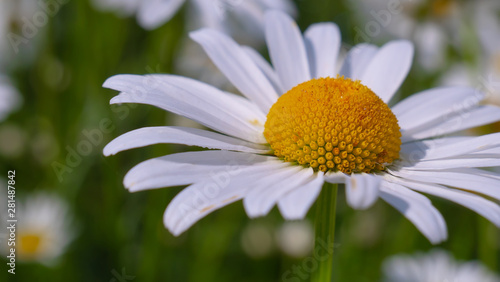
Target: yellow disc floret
column 333, row 124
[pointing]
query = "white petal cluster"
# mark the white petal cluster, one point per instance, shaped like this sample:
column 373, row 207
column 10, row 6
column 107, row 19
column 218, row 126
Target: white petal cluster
column 437, row 265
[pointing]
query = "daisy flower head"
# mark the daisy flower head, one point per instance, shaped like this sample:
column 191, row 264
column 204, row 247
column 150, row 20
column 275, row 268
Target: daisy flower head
column 43, row 230
column 437, row 265
column 302, row 122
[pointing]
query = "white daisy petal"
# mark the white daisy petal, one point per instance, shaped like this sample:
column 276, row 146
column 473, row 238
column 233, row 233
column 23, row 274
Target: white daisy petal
column 237, row 66
column 357, row 60
column 216, row 188
column 439, row 149
column 485, row 208
column 190, row 98
column 362, row 190
column 336, row 177
column 488, row 152
column 388, row 68
column 436, row 103
column 287, row 49
column 248, row 108
column 186, row 168
column 269, row 190
column 296, row 203
column 413, row 151
column 455, row 178
column 416, row 208
column 153, row 13
column 200, row 199
column 180, row 135
column 478, row 171
column 322, row 42
column 463, row 161
column 265, row 67
column 479, row 116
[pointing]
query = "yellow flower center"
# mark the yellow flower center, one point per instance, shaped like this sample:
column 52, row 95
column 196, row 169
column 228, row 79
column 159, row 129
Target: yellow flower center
column 333, row 124
column 29, row 244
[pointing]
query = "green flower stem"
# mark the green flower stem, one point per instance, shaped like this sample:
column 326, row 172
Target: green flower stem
column 324, row 225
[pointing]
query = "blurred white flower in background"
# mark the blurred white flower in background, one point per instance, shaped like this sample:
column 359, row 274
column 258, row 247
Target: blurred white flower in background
column 484, row 74
column 488, row 28
column 296, row 238
column 437, row 265
column 242, row 19
column 257, row 239
column 21, row 22
column 433, row 28
column 293, row 238
column 13, row 140
column 10, row 100
column 226, row 15
column 44, row 229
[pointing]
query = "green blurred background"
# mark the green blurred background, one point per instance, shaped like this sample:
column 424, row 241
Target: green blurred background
column 120, row 232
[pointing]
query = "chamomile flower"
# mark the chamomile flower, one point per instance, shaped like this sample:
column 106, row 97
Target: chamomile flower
column 44, row 229
column 437, row 265
column 225, row 15
column 302, row 122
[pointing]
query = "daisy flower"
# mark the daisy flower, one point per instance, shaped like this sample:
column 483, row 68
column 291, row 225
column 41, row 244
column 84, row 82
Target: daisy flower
column 43, row 229
column 437, row 265
column 226, row 15
column 301, row 123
